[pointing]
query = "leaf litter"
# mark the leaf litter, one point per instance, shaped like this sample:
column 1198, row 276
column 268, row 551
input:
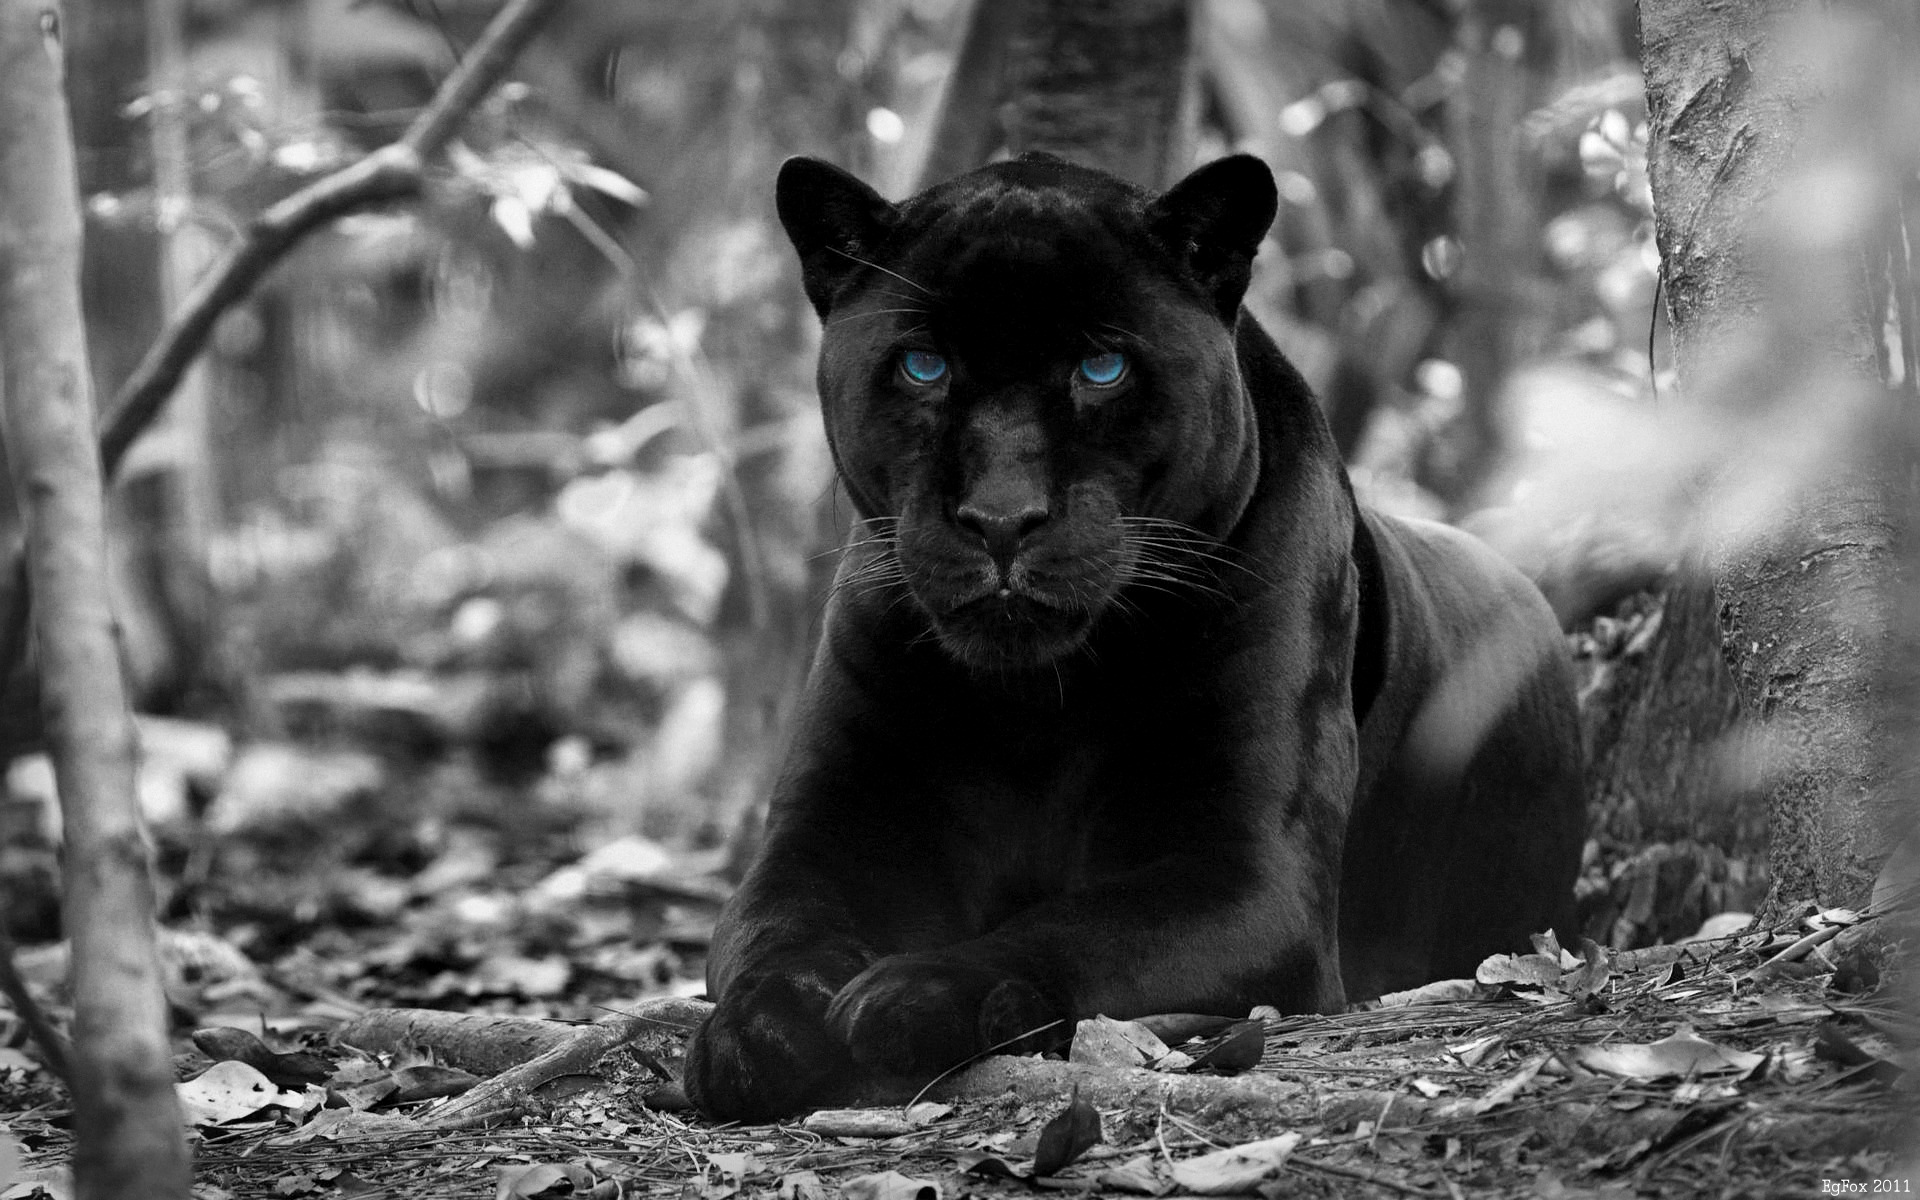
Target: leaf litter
column 1741, row 1065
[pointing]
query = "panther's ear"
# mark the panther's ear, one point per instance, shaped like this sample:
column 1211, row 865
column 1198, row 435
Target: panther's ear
column 832, row 219
column 1213, row 221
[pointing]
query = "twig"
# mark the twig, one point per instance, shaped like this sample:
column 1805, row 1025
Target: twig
column 387, row 174
column 974, row 1058
column 506, row 1094
column 1363, row 1175
column 54, row 1050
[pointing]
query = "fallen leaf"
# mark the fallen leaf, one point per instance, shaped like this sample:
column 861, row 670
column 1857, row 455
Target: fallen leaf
column 1240, row 1051
column 1475, row 1052
column 988, row 1166
column 1236, row 1169
column 347, row 1123
column 1442, row 991
column 1511, row 1086
column 1519, row 970
column 430, row 1082
column 1681, row 1053
column 1073, row 1131
column 1549, row 1186
column 736, row 1166
column 889, row 1185
column 1833, row 1045
column 517, row 1182
column 228, row 1091
column 926, row 1113
column 364, row 1095
column 1105, row 1042
column 857, row 1123
column 1591, row 975
column 224, row 1042
column 55, row 1182
column 800, row 1185
column 1135, row 1175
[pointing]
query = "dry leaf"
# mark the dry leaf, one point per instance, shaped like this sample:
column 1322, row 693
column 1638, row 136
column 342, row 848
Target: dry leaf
column 516, row 1182
column 890, row 1185
column 1135, row 1175
column 736, row 1166
column 55, row 1182
column 1443, row 991
column 350, row 1124
column 1237, row 1169
column 988, row 1166
column 1511, row 1086
column 1682, row 1053
column 857, row 1123
column 800, row 1185
column 1519, row 970
column 1591, row 975
column 1240, row 1051
column 1105, row 1042
column 1475, row 1052
column 223, row 1042
column 1073, row 1131
column 228, row 1091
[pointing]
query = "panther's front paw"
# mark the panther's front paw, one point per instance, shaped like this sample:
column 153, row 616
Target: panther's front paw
column 917, row 1014
column 765, row 1052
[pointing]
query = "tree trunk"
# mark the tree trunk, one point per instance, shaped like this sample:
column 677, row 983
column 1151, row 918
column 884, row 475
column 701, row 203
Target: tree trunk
column 1777, row 138
column 174, row 552
column 1500, row 315
column 1108, row 83
column 126, row 1121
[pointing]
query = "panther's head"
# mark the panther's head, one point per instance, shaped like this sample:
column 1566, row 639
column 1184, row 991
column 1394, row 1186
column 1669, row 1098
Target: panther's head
column 1030, row 386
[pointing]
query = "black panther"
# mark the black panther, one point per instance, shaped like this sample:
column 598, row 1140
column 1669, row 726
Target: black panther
column 1123, row 705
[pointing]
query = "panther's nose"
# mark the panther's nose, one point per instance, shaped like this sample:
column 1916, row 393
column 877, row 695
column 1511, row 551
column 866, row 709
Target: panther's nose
column 1001, row 530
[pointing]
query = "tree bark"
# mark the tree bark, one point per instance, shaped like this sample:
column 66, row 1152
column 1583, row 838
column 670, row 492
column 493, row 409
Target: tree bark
column 1654, row 720
column 1108, row 83
column 129, row 1136
column 1774, row 157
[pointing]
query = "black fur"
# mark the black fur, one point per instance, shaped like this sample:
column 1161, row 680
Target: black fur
column 1122, row 705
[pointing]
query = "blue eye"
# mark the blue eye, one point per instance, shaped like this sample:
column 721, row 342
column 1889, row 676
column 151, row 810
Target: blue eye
column 1103, row 370
column 923, row 366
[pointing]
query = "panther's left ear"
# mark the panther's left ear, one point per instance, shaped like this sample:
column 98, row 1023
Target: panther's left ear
column 1213, row 221
column 832, row 219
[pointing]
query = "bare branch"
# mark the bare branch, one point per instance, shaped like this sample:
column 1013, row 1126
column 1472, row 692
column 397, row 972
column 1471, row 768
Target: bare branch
column 387, row 174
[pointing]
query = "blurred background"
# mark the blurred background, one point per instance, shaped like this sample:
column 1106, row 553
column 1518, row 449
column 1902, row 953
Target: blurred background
column 467, row 584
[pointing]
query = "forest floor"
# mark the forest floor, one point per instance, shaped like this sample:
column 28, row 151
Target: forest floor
column 307, row 893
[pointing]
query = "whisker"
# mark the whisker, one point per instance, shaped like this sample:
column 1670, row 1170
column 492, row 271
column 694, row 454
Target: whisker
column 878, row 312
column 921, row 288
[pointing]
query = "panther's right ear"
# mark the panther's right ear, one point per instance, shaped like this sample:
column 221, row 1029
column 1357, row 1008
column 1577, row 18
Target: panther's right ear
column 1213, row 221
column 833, row 220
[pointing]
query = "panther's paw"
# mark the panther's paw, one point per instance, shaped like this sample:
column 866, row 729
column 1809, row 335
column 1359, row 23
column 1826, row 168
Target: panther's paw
column 765, row 1052
column 919, row 1014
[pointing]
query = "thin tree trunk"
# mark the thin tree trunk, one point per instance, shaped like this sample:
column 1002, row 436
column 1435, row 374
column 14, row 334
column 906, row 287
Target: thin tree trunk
column 127, row 1124
column 1498, row 290
column 176, row 553
column 1773, row 156
column 1104, row 82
